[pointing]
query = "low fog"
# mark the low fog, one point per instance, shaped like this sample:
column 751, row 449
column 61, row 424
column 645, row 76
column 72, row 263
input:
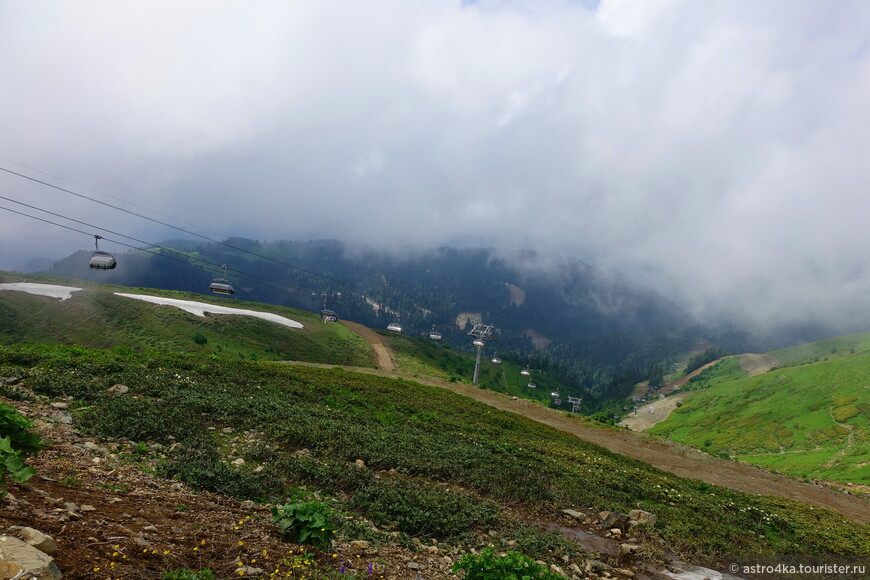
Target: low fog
column 713, row 150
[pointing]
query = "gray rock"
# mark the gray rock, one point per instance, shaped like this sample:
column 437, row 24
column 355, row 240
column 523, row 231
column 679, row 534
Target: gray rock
column 61, row 416
column 15, row 553
column 612, row 520
column 574, row 514
column 59, row 405
column 360, row 544
column 119, row 389
column 642, row 517
column 413, row 565
column 11, row 381
column 42, row 542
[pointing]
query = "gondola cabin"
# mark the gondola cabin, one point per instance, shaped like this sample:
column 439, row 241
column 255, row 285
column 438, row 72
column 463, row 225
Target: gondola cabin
column 394, row 327
column 102, row 261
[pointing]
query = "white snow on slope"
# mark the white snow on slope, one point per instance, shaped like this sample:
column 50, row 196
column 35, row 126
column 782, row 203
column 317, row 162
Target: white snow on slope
column 50, row 290
column 200, row 309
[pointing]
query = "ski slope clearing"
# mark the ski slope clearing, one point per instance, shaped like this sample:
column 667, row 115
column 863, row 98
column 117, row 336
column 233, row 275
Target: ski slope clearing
column 201, row 308
column 50, row 290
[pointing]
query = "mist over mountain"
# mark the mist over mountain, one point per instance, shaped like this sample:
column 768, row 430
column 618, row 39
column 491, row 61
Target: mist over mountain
column 599, row 330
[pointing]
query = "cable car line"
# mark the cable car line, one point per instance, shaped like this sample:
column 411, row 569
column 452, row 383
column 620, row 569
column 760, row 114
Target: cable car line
column 202, row 265
column 57, row 187
column 109, row 195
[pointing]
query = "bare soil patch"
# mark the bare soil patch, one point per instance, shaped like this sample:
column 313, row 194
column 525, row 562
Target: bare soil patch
column 756, row 364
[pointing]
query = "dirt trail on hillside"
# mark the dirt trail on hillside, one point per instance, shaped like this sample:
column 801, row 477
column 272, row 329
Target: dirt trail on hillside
column 383, row 355
column 648, row 415
column 678, row 459
column 755, row 364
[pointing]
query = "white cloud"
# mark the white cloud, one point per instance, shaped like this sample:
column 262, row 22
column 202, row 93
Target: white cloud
column 717, row 147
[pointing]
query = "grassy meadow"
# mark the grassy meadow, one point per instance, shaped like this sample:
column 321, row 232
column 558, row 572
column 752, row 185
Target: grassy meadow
column 440, row 466
column 95, row 317
column 808, row 421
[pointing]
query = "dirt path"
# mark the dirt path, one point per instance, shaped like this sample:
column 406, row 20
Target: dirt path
column 755, row 364
column 678, row 459
column 383, row 355
column 648, row 415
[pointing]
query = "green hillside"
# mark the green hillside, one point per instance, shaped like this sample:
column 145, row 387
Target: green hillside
column 806, row 421
column 95, row 317
column 835, row 347
column 426, row 359
column 439, row 466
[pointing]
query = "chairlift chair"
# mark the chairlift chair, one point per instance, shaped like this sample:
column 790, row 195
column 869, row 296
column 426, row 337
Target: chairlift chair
column 101, row 260
column 394, row 327
column 532, row 386
column 327, row 315
column 526, row 372
column 477, row 342
column 435, row 335
column 495, row 360
column 222, row 285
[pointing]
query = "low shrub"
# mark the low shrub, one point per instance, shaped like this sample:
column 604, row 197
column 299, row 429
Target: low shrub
column 511, row 566
column 308, row 523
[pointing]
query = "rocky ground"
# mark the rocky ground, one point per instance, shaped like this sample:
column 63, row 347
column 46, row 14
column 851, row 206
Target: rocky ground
column 112, row 517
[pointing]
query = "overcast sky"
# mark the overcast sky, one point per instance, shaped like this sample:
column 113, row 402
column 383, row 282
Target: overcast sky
column 719, row 150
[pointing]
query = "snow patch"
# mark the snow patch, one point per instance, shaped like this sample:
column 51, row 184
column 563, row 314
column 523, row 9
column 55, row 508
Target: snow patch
column 201, row 308
column 50, row 290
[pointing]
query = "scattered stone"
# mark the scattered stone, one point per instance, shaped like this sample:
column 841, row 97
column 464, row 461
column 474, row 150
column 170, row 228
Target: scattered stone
column 642, row 518
column 616, row 532
column 149, row 529
column 248, row 571
column 17, row 556
column 88, row 508
column 35, row 538
column 119, row 389
column 613, row 520
column 59, row 405
column 360, row 463
column 629, row 548
column 238, row 462
column 61, row 416
column 360, row 544
column 574, row 514
column 413, row 565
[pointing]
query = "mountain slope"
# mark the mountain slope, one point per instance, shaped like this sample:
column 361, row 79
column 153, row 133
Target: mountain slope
column 809, row 420
column 433, row 465
column 97, row 317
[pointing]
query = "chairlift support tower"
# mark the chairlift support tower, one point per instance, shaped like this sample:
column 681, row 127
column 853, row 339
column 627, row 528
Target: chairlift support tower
column 576, row 402
column 480, row 332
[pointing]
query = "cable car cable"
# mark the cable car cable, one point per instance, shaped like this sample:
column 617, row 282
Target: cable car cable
column 33, row 179
column 241, row 274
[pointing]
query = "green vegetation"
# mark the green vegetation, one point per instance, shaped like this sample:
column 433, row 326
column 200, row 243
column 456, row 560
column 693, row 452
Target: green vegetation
column 184, row 574
column 307, row 523
column 830, row 348
column 16, row 444
column 96, row 318
column 511, row 566
column 426, row 359
column 438, row 465
column 806, row 421
column 700, row 359
column 723, row 371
